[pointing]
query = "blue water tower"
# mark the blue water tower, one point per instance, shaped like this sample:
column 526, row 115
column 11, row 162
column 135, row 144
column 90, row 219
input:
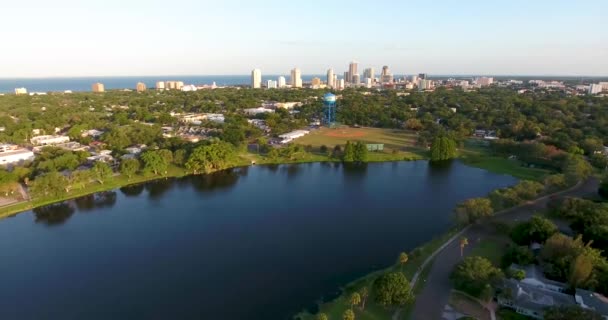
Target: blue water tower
column 329, row 109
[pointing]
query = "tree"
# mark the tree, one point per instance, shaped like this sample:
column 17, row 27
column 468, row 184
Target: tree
column 520, row 255
column 474, row 209
column 167, row 155
column 555, row 182
column 364, row 293
column 214, row 156
column 129, row 167
column 570, row 313
column 599, row 160
column 360, row 152
column 403, row 259
column 81, row 177
column 576, row 168
column 443, row 148
column 580, row 270
column 355, row 299
column 537, row 229
column 348, row 315
column 321, row 316
column 463, row 243
column 413, row 124
column 102, row 171
column 153, row 161
column 392, row 289
column 49, row 185
column 474, row 274
column 349, row 152
column 179, row 157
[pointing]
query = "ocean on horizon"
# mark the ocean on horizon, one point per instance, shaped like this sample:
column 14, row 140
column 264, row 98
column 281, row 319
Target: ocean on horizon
column 8, row 85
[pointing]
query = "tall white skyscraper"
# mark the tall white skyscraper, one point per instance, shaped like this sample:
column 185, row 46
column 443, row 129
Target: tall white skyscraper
column 352, row 71
column 256, row 78
column 296, row 78
column 330, row 78
column 335, row 81
column 281, row 82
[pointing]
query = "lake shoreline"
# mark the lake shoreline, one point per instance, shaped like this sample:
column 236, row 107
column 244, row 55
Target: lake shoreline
column 174, row 172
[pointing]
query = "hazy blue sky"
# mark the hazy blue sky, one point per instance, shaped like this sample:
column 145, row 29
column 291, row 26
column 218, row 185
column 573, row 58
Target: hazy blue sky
column 188, row 37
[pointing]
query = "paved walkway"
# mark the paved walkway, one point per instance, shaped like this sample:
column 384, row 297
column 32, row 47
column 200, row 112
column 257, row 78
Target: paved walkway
column 431, row 301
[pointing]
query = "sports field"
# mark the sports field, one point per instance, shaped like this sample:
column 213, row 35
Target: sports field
column 392, row 139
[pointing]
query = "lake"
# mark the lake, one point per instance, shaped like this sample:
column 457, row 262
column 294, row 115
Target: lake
column 262, row 242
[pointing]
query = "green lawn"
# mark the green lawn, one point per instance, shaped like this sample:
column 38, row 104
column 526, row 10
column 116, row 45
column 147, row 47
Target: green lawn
column 476, row 154
column 491, row 249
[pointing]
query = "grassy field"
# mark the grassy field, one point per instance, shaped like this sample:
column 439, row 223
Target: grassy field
column 491, row 249
column 476, row 155
column 398, row 144
column 335, row 308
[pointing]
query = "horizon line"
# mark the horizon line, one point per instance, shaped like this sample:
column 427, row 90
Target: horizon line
column 308, row 74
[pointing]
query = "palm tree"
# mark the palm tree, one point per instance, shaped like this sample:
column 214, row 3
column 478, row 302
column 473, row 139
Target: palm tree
column 321, row 316
column 348, row 315
column 463, row 243
column 355, row 299
column 364, row 293
column 403, row 259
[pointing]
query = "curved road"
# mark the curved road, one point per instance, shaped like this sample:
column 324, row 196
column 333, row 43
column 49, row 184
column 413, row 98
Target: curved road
column 431, row 301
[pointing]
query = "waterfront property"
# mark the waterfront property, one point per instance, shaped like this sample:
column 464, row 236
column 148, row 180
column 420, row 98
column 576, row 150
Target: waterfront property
column 533, row 294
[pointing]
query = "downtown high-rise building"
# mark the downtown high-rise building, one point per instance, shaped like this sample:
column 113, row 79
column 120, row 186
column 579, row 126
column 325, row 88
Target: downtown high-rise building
column 346, row 77
column 386, row 76
column 296, row 78
column 352, row 71
column 315, row 82
column 256, row 78
column 356, row 79
column 330, row 78
column 160, row 85
column 422, row 76
column 369, row 73
column 98, row 87
column 271, row 84
column 140, row 87
column 281, row 83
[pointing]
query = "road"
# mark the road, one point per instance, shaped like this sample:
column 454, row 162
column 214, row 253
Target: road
column 431, row 301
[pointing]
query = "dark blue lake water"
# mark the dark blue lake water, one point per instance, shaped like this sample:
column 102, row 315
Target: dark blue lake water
column 248, row 243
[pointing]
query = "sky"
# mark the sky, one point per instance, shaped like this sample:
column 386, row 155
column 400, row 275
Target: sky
column 65, row 38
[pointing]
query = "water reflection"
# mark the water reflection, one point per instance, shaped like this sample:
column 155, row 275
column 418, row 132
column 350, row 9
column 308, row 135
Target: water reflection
column 292, row 170
column 440, row 167
column 94, row 201
column 157, row 188
column 54, row 214
column 221, row 180
column 355, row 172
column 132, row 190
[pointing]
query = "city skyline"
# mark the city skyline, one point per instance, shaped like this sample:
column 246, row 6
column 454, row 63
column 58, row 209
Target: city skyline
column 475, row 37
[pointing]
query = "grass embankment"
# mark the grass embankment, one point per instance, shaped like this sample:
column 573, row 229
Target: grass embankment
column 477, row 155
column 335, row 308
column 113, row 183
